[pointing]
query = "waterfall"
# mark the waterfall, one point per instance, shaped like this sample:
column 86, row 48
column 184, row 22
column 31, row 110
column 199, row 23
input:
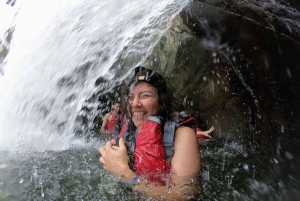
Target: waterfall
column 55, row 53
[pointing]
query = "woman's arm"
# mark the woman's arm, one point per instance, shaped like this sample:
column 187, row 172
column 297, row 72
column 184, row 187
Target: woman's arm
column 186, row 159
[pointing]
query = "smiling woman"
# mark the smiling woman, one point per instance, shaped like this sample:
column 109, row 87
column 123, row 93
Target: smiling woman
column 147, row 97
column 156, row 154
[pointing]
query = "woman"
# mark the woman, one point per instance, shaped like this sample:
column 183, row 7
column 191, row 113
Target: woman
column 143, row 156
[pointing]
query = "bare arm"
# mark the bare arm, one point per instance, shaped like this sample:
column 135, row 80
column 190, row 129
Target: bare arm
column 186, row 160
column 206, row 133
column 104, row 123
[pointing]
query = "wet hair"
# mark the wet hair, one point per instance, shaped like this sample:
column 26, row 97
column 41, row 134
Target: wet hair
column 115, row 102
column 142, row 74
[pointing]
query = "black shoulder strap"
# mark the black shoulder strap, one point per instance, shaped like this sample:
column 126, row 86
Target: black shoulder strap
column 168, row 137
column 118, row 125
column 129, row 139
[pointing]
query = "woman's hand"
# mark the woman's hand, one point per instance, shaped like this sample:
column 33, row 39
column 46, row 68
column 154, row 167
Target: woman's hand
column 115, row 159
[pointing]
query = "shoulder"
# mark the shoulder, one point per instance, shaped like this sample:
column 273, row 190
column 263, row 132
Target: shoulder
column 185, row 133
column 107, row 115
column 185, row 139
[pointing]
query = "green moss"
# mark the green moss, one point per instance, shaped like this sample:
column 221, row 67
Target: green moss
column 190, row 41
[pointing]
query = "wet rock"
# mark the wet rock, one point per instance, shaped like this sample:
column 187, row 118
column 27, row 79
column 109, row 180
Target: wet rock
column 236, row 65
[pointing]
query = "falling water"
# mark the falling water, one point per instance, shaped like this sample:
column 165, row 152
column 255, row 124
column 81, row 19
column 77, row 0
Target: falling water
column 52, row 53
column 57, row 52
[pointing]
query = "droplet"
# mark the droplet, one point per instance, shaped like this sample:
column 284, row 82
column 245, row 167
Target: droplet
column 288, row 72
column 289, row 155
column 246, row 167
column 2, row 166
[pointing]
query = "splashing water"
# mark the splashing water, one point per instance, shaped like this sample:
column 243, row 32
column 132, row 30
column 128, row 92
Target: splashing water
column 57, row 52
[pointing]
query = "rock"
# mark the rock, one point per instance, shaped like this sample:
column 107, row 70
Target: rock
column 235, row 64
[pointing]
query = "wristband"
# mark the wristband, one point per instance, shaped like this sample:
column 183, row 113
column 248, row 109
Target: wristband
column 133, row 181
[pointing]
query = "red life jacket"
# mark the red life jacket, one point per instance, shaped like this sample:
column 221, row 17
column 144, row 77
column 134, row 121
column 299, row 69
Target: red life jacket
column 114, row 125
column 150, row 146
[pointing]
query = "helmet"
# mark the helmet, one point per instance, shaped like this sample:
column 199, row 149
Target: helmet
column 143, row 74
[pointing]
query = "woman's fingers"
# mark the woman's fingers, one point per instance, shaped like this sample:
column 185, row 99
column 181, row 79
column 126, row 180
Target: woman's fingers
column 108, row 144
column 102, row 150
column 115, row 147
column 101, row 160
column 113, row 141
column 122, row 144
column 113, row 158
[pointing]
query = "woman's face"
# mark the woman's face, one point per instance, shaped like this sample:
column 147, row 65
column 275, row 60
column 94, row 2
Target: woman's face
column 142, row 102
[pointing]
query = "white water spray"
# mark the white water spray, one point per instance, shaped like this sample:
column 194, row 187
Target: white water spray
column 58, row 50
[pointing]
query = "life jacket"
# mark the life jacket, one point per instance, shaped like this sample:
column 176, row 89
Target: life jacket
column 114, row 125
column 149, row 147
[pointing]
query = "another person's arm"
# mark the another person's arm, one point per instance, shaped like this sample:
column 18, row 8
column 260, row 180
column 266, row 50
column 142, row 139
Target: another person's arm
column 104, row 123
column 206, row 133
column 182, row 181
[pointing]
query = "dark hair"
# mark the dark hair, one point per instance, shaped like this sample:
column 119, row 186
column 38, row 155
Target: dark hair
column 115, row 102
column 142, row 74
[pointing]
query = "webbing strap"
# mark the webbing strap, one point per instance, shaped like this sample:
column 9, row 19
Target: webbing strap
column 155, row 119
column 168, row 137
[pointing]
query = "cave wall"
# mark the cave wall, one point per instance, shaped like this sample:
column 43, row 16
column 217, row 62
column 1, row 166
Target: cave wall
column 235, row 65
